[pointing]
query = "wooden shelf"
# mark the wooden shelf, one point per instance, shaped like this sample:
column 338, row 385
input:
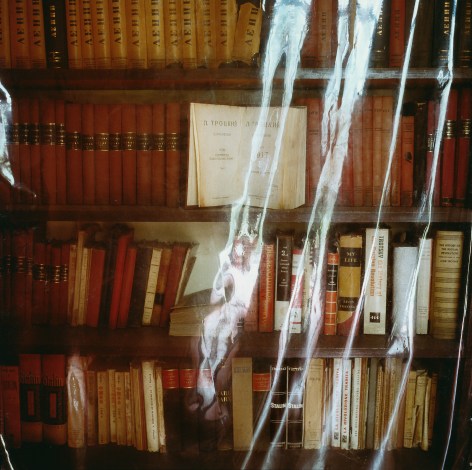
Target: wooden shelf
column 175, row 78
column 365, row 215
column 126, row 458
column 151, row 341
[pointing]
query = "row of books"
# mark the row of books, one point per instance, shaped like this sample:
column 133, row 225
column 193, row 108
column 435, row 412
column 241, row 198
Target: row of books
column 391, row 33
column 135, row 154
column 153, row 405
column 370, row 284
column 98, row 278
column 128, row 33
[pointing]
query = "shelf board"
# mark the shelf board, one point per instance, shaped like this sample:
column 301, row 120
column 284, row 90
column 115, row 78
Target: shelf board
column 153, row 341
column 365, row 215
column 177, row 78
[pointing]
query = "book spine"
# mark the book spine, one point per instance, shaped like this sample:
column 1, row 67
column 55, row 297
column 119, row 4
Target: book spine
column 102, row 153
column 172, row 408
column 173, row 154
column 367, row 149
column 74, row 173
column 18, row 292
column 5, row 38
column 207, row 427
column 370, row 411
column 19, row 35
column 376, row 265
column 386, row 137
column 54, row 399
column 325, row 15
column 64, row 287
column 30, row 389
column 35, row 149
column 120, row 407
column 74, row 34
column 155, row 29
column 225, row 24
column 103, row 408
column 61, row 157
column 129, row 410
column 247, row 37
column 55, row 34
column 158, row 155
column 87, row 39
column 463, row 147
column 267, row 288
column 396, row 170
column 189, row 397
column 97, row 264
column 397, row 33
column 111, row 371
column 346, row 190
column 160, row 409
column 445, row 284
column 379, row 55
column 118, row 34
column 260, row 391
column 76, row 401
column 101, row 33
column 407, row 160
column 24, row 154
column 92, row 411
column 464, row 28
column 48, row 151
column 150, row 405
column 309, row 48
column 377, row 180
column 421, row 52
column 423, row 286
column 331, row 300
column 277, row 416
column 88, row 153
column 448, row 162
column 295, row 404
column 442, row 39
column 126, row 285
column 129, row 138
column 357, row 156
column 151, row 286
column 37, row 47
column 162, row 277
column 10, row 388
column 115, row 154
column 283, row 274
column 241, row 373
column 355, row 417
column 143, row 154
column 136, row 34
column 173, row 32
column 314, row 401
column 296, row 289
column 206, row 33
column 346, row 403
column 350, row 261
column 313, row 147
column 55, row 284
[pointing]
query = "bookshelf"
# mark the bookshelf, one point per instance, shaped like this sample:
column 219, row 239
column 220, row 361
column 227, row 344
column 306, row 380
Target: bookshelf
column 234, row 85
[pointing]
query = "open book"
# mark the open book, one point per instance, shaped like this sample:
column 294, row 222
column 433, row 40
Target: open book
column 220, row 149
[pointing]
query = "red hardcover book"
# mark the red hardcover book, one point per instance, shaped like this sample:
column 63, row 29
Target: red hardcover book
column 61, row 164
column 126, row 286
column 397, row 33
column 331, row 293
column 173, row 146
column 407, row 160
column 357, row 155
column 463, row 146
column 396, row 170
column 172, row 408
column 35, row 150
column 449, row 151
column 14, row 152
column 158, row 155
column 386, row 137
column 179, row 252
column 7, row 272
column 54, row 398
column 74, row 173
column 377, row 180
column 47, row 136
column 64, row 288
column 88, row 152
column 24, row 155
column 128, row 120
column 267, row 288
column 40, row 279
column 431, row 185
column 115, row 155
column 118, row 270
column 97, row 266
column 325, row 16
column 189, row 400
column 102, row 154
column 143, row 154
column 10, row 388
column 30, row 406
column 55, row 284
column 19, row 269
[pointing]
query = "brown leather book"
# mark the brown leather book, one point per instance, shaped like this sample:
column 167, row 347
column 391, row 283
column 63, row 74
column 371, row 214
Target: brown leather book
column 158, row 155
column 88, row 152
column 407, row 160
column 101, row 27
column 448, row 161
column 55, row 34
column 463, row 146
column 143, row 153
column 115, row 154
column 35, row 150
column 30, row 397
column 18, row 293
column 118, row 34
column 463, row 53
column 54, row 399
column 397, row 33
column 136, row 34
column 377, row 180
column 48, row 151
column 5, row 52
column 61, row 162
column 386, row 137
column 442, row 39
column 367, row 149
column 423, row 39
column 74, row 34
column 102, row 153
column 24, row 155
column 329, row 326
column 37, row 46
column 74, row 172
column 86, row 38
column 128, row 136
column 267, row 288
column 173, row 147
column 325, row 18
column 9, row 374
column 173, row 32
column 156, row 25
column 19, row 35
column 379, row 54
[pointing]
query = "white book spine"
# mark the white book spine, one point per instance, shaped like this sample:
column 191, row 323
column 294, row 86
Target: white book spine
column 150, row 406
column 346, row 403
column 356, row 403
column 336, row 401
column 375, row 304
column 424, row 286
column 151, row 286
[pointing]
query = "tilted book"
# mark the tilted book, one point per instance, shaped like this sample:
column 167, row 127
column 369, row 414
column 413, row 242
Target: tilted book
column 272, row 174
column 247, row 36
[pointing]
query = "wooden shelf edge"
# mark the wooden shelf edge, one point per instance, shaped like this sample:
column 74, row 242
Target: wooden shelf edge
column 221, row 214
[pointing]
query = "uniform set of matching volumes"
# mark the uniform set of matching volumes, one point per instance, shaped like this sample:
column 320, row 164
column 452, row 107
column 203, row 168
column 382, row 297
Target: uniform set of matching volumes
column 348, row 403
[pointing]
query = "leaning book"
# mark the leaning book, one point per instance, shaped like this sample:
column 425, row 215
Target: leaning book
column 248, row 154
